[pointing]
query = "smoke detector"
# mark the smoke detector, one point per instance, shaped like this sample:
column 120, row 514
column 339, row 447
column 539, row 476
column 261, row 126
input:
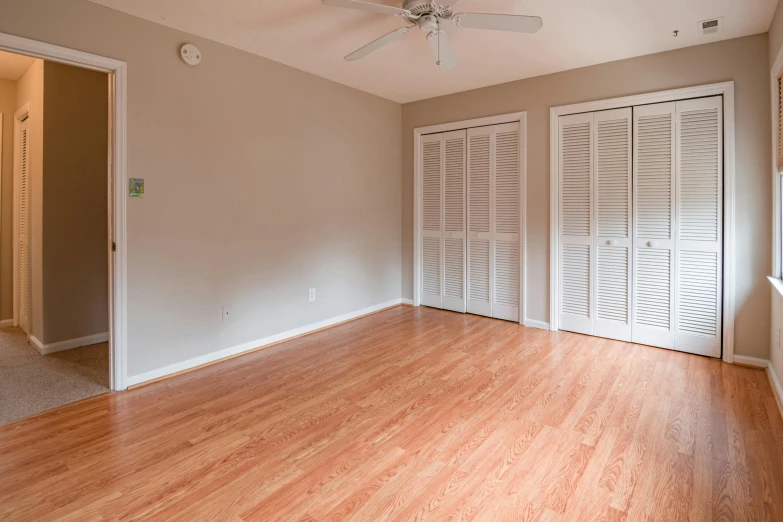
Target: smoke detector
column 709, row 27
column 190, row 54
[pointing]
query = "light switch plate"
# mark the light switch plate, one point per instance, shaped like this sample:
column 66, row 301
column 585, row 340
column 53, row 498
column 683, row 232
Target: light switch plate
column 312, row 295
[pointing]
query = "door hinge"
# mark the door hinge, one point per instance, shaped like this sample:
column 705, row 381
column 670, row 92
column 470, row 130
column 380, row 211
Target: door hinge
column 113, row 246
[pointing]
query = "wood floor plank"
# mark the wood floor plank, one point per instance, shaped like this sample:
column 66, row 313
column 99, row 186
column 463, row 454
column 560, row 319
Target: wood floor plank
column 413, row 414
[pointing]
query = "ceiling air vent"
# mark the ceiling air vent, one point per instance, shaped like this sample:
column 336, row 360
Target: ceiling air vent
column 708, row 27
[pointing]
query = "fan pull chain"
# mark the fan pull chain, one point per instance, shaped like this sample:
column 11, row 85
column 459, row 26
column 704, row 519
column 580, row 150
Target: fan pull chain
column 437, row 28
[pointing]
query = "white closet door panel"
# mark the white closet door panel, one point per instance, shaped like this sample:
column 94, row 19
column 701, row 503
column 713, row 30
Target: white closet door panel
column 612, row 245
column 480, row 165
column 432, row 270
column 505, row 196
column 699, row 226
column 653, row 209
column 454, row 262
column 576, row 222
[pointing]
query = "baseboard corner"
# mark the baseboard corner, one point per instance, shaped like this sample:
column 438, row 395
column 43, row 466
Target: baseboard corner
column 533, row 323
column 777, row 389
column 6, row 323
column 755, row 362
column 407, row 302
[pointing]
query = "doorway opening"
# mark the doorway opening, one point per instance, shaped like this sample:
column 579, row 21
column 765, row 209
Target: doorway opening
column 62, row 282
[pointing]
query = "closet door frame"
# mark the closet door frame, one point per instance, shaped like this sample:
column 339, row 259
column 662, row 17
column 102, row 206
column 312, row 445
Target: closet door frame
column 726, row 90
column 516, row 117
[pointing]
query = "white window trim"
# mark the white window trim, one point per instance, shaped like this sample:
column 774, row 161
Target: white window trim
column 117, row 70
column 726, row 90
column 520, row 117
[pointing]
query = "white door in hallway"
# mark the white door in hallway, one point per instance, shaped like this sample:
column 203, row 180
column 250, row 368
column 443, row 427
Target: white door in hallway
column 24, row 227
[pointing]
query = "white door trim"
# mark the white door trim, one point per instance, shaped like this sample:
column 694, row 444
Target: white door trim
column 726, row 90
column 418, row 132
column 117, row 71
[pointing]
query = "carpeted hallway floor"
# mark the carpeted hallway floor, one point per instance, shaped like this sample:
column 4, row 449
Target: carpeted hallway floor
column 31, row 383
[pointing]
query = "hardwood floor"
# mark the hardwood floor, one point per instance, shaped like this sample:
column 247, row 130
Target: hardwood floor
column 413, row 414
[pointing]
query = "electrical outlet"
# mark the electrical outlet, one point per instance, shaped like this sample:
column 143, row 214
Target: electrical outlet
column 312, row 295
column 226, row 312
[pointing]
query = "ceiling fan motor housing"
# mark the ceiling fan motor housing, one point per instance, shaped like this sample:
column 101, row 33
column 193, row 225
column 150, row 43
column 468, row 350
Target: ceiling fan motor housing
column 423, row 8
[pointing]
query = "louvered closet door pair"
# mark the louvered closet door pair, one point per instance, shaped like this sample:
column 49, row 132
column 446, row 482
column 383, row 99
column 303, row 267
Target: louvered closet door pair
column 470, row 221
column 641, row 195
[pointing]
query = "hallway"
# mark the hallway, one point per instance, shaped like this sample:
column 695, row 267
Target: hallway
column 31, row 383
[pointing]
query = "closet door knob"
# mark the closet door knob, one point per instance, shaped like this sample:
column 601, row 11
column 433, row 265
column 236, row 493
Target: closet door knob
column 611, row 242
column 651, row 243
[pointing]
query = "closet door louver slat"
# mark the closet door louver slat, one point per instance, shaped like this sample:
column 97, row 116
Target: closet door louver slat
column 653, row 206
column 699, row 230
column 576, row 225
column 612, row 245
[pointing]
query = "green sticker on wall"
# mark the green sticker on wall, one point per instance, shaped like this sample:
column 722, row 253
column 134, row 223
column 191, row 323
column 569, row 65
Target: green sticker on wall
column 136, row 188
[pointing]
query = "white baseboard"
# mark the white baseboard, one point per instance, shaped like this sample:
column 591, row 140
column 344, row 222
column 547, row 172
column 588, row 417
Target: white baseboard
column 751, row 361
column 408, row 302
column 533, row 323
column 777, row 389
column 70, row 344
column 6, row 323
column 134, row 380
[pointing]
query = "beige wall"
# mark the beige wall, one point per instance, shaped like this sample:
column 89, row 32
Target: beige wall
column 7, row 109
column 261, row 182
column 776, row 34
column 743, row 60
column 75, row 185
column 30, row 90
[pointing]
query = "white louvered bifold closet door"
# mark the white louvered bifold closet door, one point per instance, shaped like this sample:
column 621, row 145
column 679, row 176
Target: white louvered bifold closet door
column 480, row 221
column 431, row 222
column 454, row 221
column 576, row 222
column 494, row 221
column 24, row 228
column 653, row 206
column 443, row 220
column 612, row 238
column 506, row 222
column 699, row 226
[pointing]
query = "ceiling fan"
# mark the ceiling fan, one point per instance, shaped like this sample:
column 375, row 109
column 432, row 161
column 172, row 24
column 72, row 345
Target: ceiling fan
column 428, row 16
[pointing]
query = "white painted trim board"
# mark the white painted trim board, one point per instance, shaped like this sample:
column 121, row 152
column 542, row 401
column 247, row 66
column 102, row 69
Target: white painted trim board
column 774, row 381
column 725, row 89
column 118, row 76
column 255, row 344
column 6, row 323
column 418, row 132
column 70, row 344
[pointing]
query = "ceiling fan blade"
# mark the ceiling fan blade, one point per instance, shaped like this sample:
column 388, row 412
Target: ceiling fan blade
column 367, row 6
column 377, row 44
column 498, row 22
column 443, row 51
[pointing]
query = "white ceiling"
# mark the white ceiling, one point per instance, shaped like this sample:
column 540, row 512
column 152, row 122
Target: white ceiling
column 313, row 37
column 13, row 66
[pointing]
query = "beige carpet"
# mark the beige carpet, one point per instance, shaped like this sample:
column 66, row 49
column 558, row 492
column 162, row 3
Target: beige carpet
column 31, row 383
